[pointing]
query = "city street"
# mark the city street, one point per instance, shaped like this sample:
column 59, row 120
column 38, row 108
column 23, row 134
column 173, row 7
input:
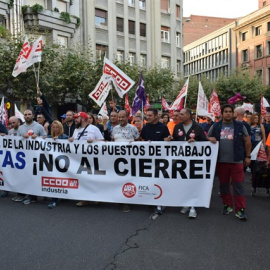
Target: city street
column 102, row 237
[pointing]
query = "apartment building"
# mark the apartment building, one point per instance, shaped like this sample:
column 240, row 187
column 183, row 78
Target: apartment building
column 17, row 16
column 143, row 31
column 253, row 43
column 211, row 55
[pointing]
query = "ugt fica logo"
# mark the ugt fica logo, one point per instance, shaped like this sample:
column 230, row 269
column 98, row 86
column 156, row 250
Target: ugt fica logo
column 1, row 179
column 129, row 190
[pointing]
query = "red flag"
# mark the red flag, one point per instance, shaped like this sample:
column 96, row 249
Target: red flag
column 127, row 107
column 147, row 104
column 164, row 104
column 181, row 105
column 263, row 108
column 262, row 154
column 214, row 106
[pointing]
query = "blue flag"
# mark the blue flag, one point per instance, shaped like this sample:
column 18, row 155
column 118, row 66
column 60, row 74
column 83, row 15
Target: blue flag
column 140, row 98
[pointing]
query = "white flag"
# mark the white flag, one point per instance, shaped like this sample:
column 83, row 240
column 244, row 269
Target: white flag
column 18, row 114
column 21, row 62
column 265, row 102
column 3, row 115
column 35, row 53
column 103, row 111
column 202, row 102
column 121, row 81
column 102, row 89
column 183, row 93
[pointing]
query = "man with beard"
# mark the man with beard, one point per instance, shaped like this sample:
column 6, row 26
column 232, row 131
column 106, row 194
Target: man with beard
column 124, row 132
column 69, row 125
column 31, row 129
column 85, row 132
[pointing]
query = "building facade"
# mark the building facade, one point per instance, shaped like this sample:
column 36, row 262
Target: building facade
column 253, row 43
column 142, row 31
column 212, row 55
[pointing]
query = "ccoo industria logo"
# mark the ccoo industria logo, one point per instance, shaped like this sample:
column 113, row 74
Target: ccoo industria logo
column 1, row 179
column 58, row 184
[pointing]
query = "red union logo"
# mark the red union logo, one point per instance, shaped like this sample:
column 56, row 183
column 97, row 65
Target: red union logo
column 60, row 182
column 129, row 190
column 100, row 90
column 122, row 82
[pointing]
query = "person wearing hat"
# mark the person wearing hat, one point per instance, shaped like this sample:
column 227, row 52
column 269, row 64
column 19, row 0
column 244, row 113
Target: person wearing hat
column 85, row 132
column 63, row 119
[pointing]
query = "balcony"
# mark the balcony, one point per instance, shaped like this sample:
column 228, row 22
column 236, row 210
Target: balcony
column 49, row 20
column 4, row 9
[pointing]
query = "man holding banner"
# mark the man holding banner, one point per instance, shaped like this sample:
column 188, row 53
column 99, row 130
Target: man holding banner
column 188, row 130
column 234, row 148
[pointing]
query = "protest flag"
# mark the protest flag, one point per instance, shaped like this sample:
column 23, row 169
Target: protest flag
column 202, row 102
column 140, row 98
column 214, row 105
column 164, row 104
column 238, row 97
column 121, row 81
column 127, row 106
column 18, row 114
column 103, row 111
column 178, row 101
column 263, row 107
column 147, row 104
column 3, row 113
column 21, row 62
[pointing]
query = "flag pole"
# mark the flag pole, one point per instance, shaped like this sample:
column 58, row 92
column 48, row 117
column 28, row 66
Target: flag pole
column 34, row 69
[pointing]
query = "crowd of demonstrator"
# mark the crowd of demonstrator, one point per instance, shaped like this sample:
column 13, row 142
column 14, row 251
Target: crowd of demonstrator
column 237, row 131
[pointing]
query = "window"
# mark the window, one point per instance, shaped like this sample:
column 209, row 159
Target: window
column 62, row 6
column 259, row 72
column 268, row 75
column 178, row 39
column 101, row 51
column 165, row 5
column 100, row 17
column 131, row 27
column 143, row 60
column 120, row 24
column 264, row 3
column 244, row 36
column 245, row 57
column 268, row 26
column 259, row 52
column 268, row 47
column 178, row 66
column 165, row 34
column 142, row 29
column 131, row 58
column 142, row 4
column 120, row 56
column 131, row 3
column 258, row 31
column 177, row 8
column 165, row 62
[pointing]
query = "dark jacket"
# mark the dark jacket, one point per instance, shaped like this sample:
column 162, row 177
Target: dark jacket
column 69, row 130
column 45, row 109
column 238, row 139
column 179, row 133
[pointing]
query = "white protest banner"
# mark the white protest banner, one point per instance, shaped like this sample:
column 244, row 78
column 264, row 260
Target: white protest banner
column 202, row 102
column 121, row 81
column 156, row 173
column 101, row 91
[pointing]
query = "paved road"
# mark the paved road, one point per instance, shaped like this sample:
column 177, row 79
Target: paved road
column 102, row 237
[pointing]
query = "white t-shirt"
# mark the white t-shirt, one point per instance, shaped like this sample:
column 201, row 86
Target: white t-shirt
column 125, row 134
column 91, row 132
